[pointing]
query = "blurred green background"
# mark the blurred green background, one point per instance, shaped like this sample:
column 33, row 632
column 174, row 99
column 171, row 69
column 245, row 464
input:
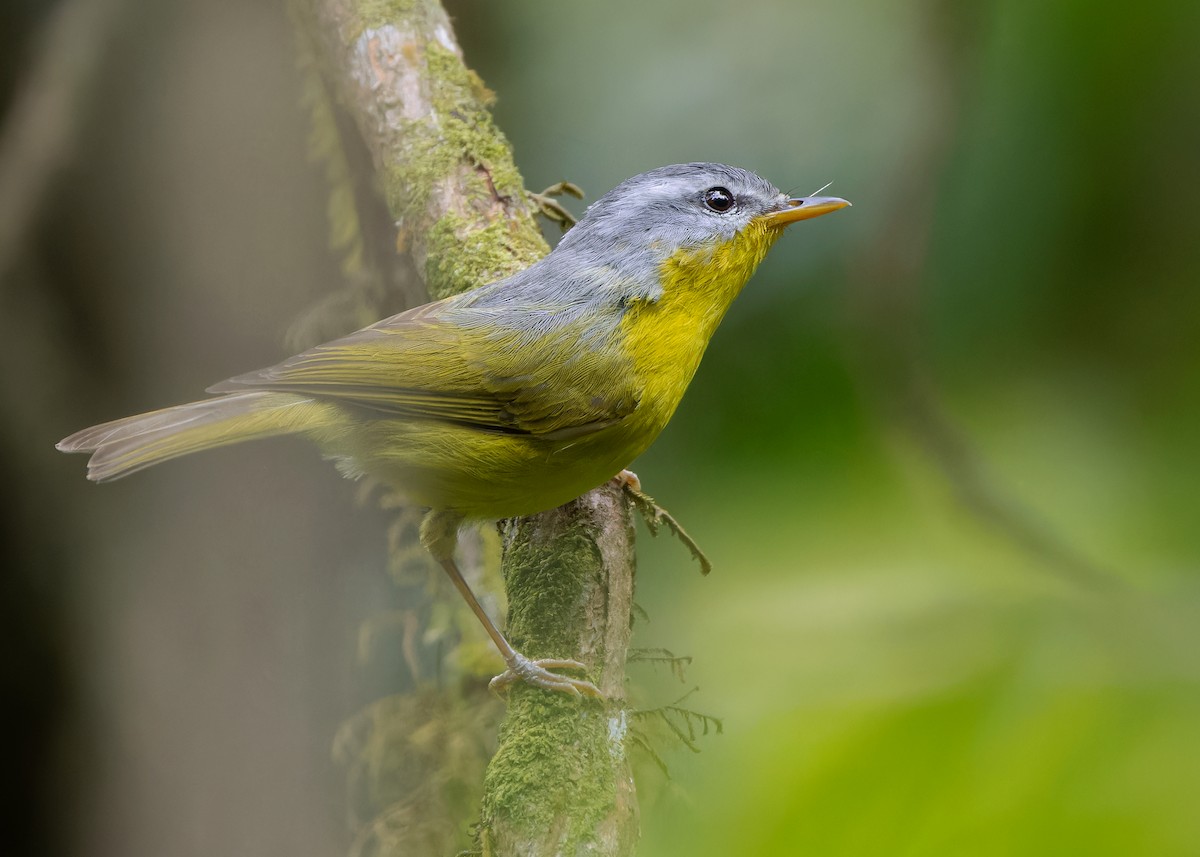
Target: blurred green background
column 943, row 452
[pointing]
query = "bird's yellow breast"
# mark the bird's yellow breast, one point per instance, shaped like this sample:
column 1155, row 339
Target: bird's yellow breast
column 666, row 338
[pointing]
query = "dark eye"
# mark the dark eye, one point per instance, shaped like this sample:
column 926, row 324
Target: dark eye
column 718, row 199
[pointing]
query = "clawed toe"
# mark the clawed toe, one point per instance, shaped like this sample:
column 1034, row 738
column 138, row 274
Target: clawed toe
column 538, row 673
column 628, row 479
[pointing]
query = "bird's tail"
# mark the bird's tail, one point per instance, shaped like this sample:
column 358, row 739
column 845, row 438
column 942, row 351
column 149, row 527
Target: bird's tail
column 131, row 444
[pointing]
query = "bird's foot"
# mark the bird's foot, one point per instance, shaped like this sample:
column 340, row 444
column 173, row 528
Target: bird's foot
column 628, row 479
column 552, row 209
column 538, row 673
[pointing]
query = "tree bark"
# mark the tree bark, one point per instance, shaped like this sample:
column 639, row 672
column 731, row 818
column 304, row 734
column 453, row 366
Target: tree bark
column 560, row 781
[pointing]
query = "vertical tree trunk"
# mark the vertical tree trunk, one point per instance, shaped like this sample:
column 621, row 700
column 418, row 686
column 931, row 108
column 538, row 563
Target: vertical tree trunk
column 560, row 781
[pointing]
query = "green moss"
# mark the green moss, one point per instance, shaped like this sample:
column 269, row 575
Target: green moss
column 448, row 72
column 459, row 257
column 466, row 126
column 544, row 583
column 553, row 763
column 376, row 13
column 464, row 133
column 462, row 251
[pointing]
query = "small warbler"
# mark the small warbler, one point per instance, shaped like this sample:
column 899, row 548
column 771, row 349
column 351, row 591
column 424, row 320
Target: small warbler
column 520, row 395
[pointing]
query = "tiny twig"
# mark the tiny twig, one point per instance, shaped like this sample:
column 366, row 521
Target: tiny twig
column 677, row 663
column 656, row 516
column 684, row 723
column 639, row 740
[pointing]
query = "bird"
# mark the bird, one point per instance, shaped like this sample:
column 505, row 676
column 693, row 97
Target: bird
column 519, row 395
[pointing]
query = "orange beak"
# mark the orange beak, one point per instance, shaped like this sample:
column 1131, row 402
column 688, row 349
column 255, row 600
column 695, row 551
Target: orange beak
column 804, row 208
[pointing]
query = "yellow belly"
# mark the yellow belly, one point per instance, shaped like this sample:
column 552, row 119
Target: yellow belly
column 487, row 474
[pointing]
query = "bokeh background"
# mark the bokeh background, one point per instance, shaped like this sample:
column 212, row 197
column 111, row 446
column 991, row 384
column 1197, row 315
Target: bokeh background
column 943, row 452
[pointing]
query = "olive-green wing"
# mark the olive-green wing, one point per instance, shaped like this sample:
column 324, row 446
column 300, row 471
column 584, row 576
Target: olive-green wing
column 489, row 368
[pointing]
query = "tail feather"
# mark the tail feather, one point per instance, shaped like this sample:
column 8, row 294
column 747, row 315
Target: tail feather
column 134, row 443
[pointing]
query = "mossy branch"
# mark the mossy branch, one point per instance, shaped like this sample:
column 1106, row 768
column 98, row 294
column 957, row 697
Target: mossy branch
column 447, row 173
column 560, row 781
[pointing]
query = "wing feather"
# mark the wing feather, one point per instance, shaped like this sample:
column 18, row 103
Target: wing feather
column 484, row 367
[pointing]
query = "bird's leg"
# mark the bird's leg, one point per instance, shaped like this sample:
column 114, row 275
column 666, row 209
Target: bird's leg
column 439, row 534
column 520, row 668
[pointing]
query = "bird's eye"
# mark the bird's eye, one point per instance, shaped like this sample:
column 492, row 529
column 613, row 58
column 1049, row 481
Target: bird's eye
column 718, row 199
